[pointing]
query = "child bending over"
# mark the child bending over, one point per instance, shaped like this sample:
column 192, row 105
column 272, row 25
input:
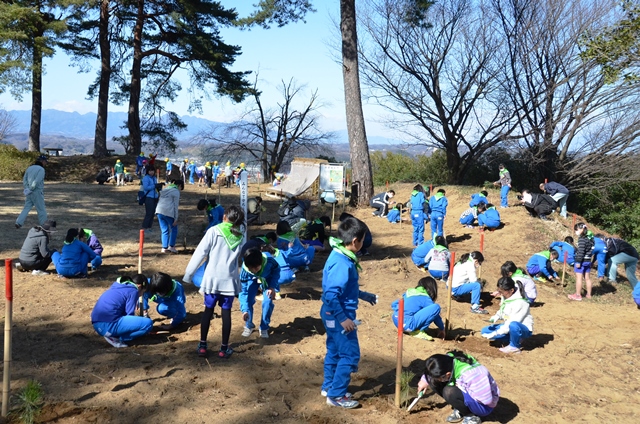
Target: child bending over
column 420, row 310
column 258, row 271
column 509, row 269
column 169, row 295
column 465, row 279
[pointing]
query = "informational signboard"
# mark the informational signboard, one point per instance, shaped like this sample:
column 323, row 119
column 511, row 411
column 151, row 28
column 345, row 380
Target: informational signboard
column 244, row 194
column 331, row 177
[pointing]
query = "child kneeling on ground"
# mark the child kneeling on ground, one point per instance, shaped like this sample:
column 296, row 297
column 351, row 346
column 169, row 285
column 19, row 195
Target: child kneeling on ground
column 169, row 295
column 114, row 316
column 420, row 310
column 514, row 310
column 465, row 279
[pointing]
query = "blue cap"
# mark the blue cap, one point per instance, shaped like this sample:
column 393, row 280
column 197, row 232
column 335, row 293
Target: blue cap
column 43, row 157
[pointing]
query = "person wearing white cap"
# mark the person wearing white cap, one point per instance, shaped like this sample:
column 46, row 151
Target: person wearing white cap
column 33, row 183
column 35, row 254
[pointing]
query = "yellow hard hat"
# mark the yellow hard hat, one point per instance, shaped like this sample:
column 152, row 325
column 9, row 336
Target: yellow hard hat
column 166, row 159
column 207, row 164
column 186, row 160
column 192, row 162
column 215, row 162
column 141, row 153
column 118, row 161
column 228, row 163
column 242, row 165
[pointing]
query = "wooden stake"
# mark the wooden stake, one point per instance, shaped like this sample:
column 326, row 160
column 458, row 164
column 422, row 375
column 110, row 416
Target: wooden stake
column 564, row 267
column 8, row 323
column 399, row 350
column 140, row 249
column 447, row 322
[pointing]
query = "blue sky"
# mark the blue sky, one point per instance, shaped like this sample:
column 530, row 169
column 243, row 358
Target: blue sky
column 302, row 51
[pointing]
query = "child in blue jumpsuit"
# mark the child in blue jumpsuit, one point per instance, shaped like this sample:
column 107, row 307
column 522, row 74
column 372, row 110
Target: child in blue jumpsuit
column 468, row 217
column 564, row 246
column 114, row 317
column 258, row 271
column 72, row 262
column 479, row 198
column 169, row 295
column 488, row 216
column 340, row 294
column 214, row 211
column 193, row 169
column 394, row 214
column 294, row 252
column 539, row 265
column 600, row 254
column 420, row 310
column 419, row 213
column 420, row 253
column 438, row 207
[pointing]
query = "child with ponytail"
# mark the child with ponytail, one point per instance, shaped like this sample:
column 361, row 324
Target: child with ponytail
column 420, row 310
column 509, row 269
column 220, row 251
column 514, row 310
column 463, row 383
column 583, row 260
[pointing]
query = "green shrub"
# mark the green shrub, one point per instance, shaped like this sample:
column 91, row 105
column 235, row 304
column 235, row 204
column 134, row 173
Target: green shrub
column 14, row 162
column 395, row 167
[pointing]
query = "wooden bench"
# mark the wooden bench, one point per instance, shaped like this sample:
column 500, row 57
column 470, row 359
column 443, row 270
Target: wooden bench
column 111, row 152
column 53, row 151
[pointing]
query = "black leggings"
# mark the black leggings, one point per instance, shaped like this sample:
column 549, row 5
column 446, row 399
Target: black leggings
column 452, row 395
column 226, row 325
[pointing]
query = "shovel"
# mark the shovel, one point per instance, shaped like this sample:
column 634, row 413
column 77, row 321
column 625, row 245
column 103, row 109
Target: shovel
column 415, row 401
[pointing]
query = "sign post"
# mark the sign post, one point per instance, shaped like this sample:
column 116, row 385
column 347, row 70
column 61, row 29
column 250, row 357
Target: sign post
column 244, row 197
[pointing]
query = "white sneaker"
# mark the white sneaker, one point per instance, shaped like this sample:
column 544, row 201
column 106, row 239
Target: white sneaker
column 278, row 296
column 115, row 342
column 18, row 266
column 324, row 393
column 264, row 334
column 38, row 272
column 247, row 331
column 172, row 249
column 259, row 298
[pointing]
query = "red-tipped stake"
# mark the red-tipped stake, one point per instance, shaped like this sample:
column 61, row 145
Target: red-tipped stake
column 8, row 322
column 140, row 250
column 399, row 350
column 564, row 267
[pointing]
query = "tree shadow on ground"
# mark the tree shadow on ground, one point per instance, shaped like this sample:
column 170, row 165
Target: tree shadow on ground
column 294, row 332
column 537, row 341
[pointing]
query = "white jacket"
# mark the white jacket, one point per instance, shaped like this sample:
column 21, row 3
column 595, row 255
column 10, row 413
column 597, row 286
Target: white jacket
column 464, row 273
column 516, row 308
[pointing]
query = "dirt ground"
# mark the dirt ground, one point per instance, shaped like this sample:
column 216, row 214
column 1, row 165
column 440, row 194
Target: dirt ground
column 581, row 365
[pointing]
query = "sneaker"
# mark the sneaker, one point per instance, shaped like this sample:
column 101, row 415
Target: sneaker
column 418, row 334
column 202, row 349
column 471, row 419
column 38, row 272
column 18, row 266
column 225, row 354
column 172, row 249
column 455, row 417
column 478, row 310
column 278, row 296
column 342, row 402
column 264, row 334
column 574, row 296
column 164, row 250
column 423, row 269
column 324, row 393
column 469, row 226
column 247, row 331
column 114, row 341
column 543, row 217
column 509, row 349
column 18, row 226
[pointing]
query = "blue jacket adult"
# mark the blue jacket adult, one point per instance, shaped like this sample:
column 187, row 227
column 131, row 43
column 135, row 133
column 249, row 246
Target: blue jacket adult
column 540, row 263
column 600, row 255
column 561, row 247
column 552, row 188
column 73, row 260
column 171, row 305
column 489, row 218
column 420, row 252
column 120, row 300
column 149, row 186
column 415, row 301
column 477, row 199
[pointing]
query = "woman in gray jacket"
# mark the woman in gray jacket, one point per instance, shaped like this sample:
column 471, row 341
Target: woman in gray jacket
column 167, row 212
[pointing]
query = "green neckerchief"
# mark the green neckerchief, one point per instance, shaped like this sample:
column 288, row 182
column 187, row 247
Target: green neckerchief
column 276, row 252
column 171, row 186
column 481, row 195
column 504, row 171
column 510, row 300
column 518, row 273
column 87, row 233
column 439, row 248
column 129, row 283
column 338, row 245
column 263, row 281
column 225, row 231
column 460, row 368
column 317, row 221
column 545, row 253
column 209, row 208
column 173, row 289
column 68, row 243
column 290, row 236
column 264, row 239
column 589, row 234
column 418, row 291
column 438, row 196
column 492, row 207
column 414, row 192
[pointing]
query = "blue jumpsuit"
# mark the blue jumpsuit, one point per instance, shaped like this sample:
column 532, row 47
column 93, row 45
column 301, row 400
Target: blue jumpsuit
column 267, row 278
column 420, row 252
column 419, row 311
column 171, row 305
column 418, row 216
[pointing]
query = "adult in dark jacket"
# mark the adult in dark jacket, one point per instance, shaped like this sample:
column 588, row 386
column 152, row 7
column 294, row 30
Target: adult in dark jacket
column 292, row 211
column 538, row 205
column 35, row 254
column 559, row 193
column 621, row 252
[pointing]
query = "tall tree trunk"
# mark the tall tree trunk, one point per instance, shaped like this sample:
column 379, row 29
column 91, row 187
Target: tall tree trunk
column 36, row 100
column 100, row 138
column 359, row 147
column 133, row 121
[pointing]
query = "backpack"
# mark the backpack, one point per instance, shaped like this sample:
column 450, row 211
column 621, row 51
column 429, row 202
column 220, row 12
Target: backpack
column 142, row 197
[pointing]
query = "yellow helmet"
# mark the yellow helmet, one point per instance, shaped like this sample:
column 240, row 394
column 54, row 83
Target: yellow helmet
column 141, row 153
column 207, row 164
column 242, row 165
column 118, row 161
column 192, row 162
column 166, row 159
column 186, row 160
column 228, row 163
column 215, row 162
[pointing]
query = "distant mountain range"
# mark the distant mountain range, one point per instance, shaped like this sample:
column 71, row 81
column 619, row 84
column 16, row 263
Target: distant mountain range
column 74, row 133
